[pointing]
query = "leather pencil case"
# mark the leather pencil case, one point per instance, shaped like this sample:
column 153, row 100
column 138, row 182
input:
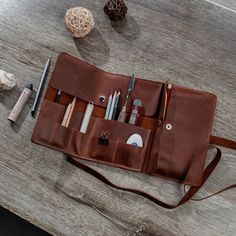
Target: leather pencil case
column 174, row 146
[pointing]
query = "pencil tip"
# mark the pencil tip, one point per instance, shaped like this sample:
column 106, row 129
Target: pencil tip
column 74, row 101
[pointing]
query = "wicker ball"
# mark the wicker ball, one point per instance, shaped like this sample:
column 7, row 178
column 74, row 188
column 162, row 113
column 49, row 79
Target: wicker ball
column 115, row 9
column 79, row 21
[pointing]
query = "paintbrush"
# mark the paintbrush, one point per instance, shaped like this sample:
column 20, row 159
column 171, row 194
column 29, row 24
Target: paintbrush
column 122, row 115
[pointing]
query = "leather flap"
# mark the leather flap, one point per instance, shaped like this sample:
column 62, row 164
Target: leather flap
column 185, row 135
column 87, row 82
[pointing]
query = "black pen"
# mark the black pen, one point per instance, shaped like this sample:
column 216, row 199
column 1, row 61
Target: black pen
column 58, row 95
column 43, row 78
column 116, row 105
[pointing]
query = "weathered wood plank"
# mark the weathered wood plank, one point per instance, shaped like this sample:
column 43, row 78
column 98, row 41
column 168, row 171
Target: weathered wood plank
column 190, row 42
column 229, row 5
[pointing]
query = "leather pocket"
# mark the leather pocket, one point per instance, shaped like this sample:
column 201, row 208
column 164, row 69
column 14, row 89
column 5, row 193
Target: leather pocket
column 61, row 137
column 129, row 156
column 52, row 111
column 101, row 152
column 87, row 147
column 117, row 151
column 184, row 136
column 80, row 143
column 50, row 133
column 118, row 131
column 43, row 131
column 76, row 119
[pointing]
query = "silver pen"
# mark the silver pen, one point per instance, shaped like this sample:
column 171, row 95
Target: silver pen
column 38, row 94
column 108, row 107
column 112, row 106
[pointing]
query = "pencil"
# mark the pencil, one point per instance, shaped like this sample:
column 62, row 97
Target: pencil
column 71, row 112
column 112, row 106
column 108, row 107
column 116, row 105
column 65, row 118
column 167, row 99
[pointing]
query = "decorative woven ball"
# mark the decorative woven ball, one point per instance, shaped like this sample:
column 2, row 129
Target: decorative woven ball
column 79, row 21
column 115, row 9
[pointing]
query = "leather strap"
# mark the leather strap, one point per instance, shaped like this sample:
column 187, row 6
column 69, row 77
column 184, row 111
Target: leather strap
column 223, row 142
column 188, row 195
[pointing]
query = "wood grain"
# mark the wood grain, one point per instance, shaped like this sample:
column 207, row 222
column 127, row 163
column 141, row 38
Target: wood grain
column 229, row 5
column 190, row 42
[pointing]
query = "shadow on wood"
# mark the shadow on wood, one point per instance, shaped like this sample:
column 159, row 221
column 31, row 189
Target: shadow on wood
column 128, row 28
column 93, row 46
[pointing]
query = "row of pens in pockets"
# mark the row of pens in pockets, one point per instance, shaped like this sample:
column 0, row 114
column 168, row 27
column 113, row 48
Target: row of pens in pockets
column 111, row 113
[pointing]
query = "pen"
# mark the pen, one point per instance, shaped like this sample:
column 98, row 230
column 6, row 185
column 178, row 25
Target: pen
column 116, row 105
column 58, row 95
column 108, row 107
column 112, row 106
column 43, row 78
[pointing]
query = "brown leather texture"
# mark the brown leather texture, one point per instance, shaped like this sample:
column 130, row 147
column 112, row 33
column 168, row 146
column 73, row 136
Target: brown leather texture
column 176, row 153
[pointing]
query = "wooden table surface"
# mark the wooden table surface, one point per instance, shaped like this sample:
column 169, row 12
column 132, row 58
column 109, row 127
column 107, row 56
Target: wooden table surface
column 191, row 42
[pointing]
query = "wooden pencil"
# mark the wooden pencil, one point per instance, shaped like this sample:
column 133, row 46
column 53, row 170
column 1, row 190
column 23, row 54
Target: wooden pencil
column 71, row 112
column 65, row 118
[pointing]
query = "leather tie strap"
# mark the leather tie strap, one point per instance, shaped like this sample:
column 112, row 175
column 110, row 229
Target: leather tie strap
column 223, row 142
column 227, row 143
column 188, row 195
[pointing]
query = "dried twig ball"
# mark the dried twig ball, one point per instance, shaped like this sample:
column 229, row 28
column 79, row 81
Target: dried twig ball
column 115, row 9
column 79, row 21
